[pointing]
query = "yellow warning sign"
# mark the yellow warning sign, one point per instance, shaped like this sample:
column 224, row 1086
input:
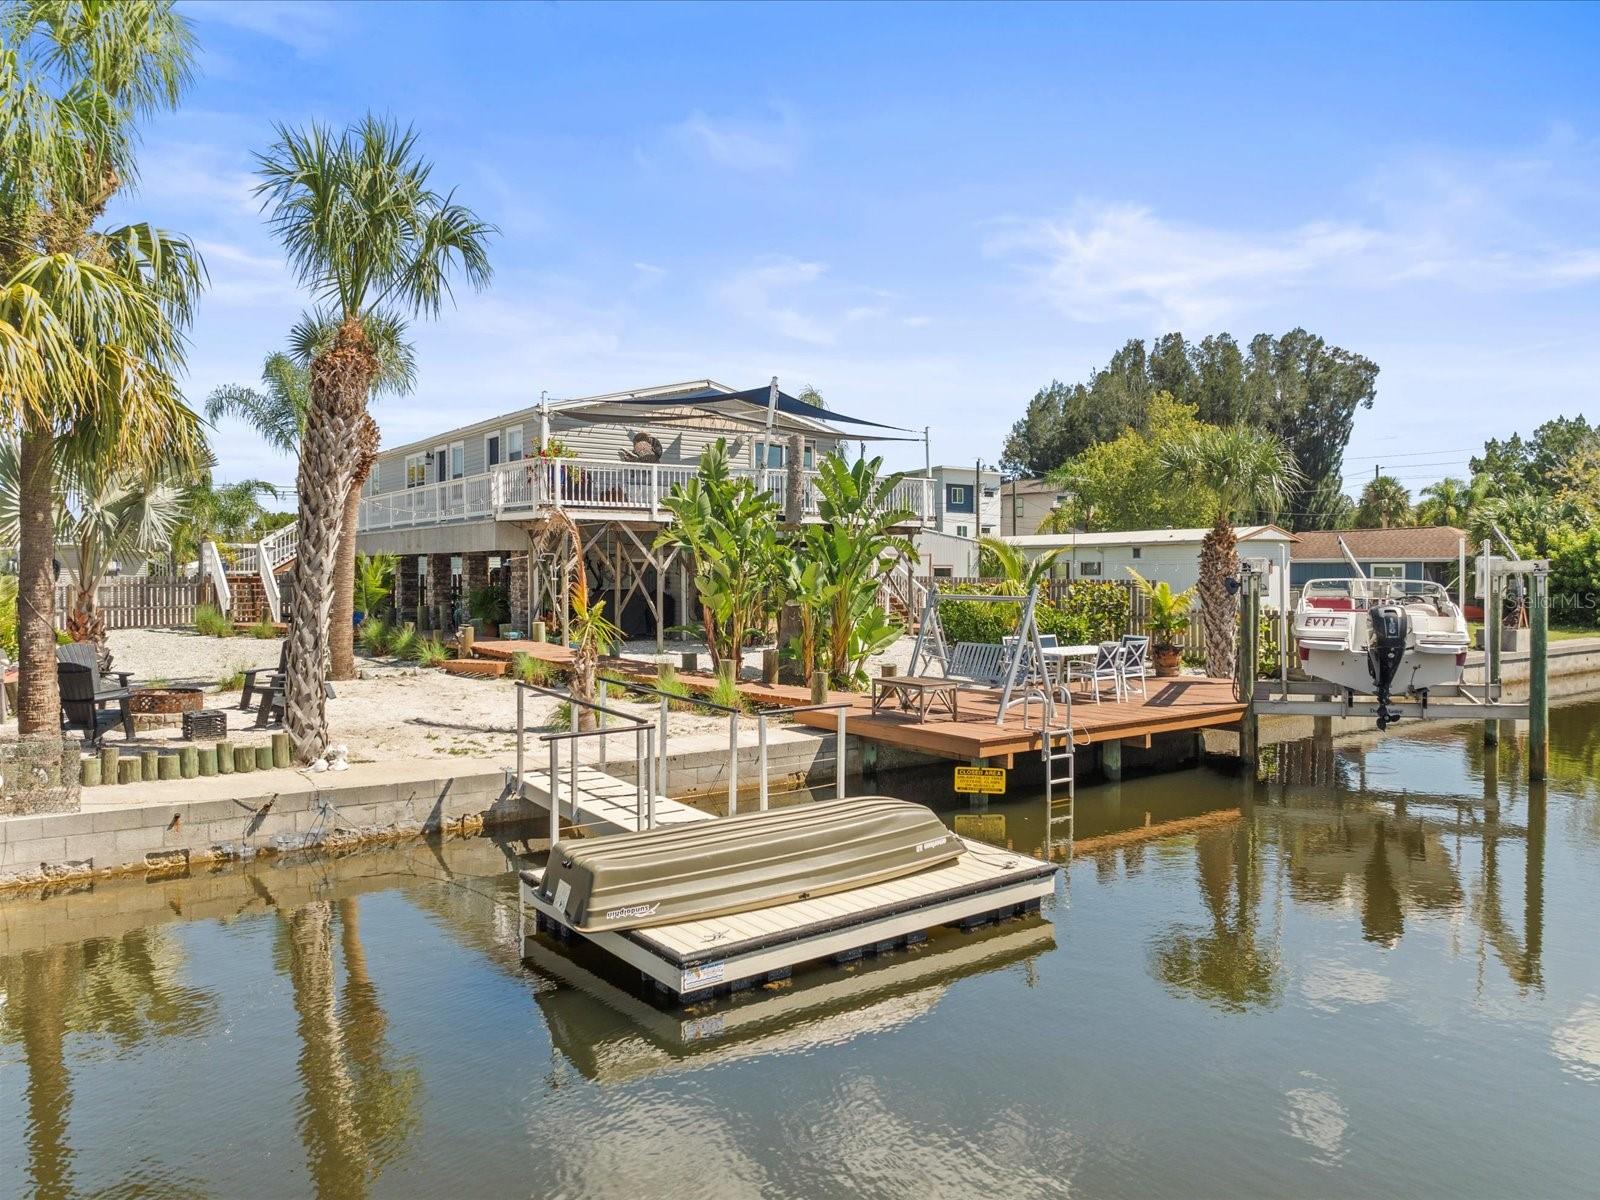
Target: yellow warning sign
column 986, row 781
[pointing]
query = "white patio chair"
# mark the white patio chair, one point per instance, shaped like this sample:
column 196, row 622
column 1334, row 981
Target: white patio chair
column 1107, row 667
column 1135, row 662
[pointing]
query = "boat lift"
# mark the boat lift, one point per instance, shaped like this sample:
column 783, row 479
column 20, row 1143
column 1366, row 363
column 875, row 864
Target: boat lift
column 1460, row 702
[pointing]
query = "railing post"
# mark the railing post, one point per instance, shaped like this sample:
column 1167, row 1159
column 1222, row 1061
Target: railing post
column 600, row 719
column 838, row 757
column 655, row 491
column 733, row 763
column 521, row 736
column 640, row 783
column 555, row 793
column 650, row 788
column 661, row 749
column 572, row 766
column 761, row 755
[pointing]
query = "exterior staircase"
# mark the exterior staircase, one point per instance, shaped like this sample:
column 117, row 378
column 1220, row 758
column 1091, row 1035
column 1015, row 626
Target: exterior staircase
column 248, row 576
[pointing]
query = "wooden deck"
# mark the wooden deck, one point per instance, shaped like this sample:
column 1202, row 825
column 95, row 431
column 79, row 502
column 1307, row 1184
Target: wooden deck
column 603, row 803
column 1186, row 702
column 1172, row 705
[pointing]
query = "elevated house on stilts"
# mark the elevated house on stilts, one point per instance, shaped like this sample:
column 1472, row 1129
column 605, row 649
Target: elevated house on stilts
column 476, row 505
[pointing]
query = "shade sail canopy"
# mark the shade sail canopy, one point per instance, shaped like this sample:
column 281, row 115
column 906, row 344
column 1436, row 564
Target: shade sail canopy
column 726, row 412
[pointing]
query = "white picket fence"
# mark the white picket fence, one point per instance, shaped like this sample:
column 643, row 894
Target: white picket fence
column 138, row 602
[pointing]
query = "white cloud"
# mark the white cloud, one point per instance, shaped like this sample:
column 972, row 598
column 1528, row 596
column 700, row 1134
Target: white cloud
column 305, row 26
column 1116, row 262
column 1523, row 222
column 766, row 294
column 742, row 145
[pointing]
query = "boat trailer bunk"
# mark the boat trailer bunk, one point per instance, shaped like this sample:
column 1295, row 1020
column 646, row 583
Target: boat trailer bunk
column 695, row 959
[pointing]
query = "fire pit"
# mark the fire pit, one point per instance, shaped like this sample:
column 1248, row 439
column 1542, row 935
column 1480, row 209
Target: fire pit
column 165, row 705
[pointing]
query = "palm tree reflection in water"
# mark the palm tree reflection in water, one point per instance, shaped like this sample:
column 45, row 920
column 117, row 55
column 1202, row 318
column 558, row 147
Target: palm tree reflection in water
column 358, row 1106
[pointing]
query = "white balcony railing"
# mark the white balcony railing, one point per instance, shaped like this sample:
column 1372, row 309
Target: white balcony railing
column 531, row 486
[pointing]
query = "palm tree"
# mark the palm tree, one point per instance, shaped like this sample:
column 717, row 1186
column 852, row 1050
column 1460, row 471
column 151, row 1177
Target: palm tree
column 1247, row 470
column 106, row 513
column 1384, row 504
column 278, row 413
column 370, row 239
column 1005, row 561
column 79, row 79
column 1451, row 501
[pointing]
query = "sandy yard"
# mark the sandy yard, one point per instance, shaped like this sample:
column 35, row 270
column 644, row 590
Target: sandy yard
column 396, row 712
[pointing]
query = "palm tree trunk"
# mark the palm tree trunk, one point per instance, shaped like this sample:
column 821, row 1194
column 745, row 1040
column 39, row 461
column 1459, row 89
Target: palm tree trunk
column 340, row 380
column 38, row 697
column 341, row 618
column 1219, row 560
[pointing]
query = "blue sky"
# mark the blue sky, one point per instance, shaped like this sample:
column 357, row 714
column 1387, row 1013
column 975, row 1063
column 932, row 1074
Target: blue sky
column 930, row 211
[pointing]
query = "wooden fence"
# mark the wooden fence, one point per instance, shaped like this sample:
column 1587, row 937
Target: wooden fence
column 138, row 602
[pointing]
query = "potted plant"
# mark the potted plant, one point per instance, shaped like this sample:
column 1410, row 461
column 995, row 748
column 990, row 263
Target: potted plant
column 1169, row 621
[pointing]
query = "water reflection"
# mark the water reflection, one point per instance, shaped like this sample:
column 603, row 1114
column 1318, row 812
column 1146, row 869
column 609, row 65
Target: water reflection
column 1226, row 962
column 124, row 991
column 359, row 1100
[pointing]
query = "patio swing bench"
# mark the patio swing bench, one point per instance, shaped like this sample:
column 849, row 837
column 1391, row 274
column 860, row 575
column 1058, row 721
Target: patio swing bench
column 977, row 664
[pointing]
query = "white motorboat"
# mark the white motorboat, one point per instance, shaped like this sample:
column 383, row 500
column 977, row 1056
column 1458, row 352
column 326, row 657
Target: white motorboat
column 1382, row 637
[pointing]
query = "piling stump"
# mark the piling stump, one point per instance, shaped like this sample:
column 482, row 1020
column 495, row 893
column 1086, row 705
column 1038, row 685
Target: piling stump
column 263, row 758
column 108, row 763
column 206, row 760
column 244, row 759
column 89, row 772
column 149, row 763
column 280, row 749
column 166, row 766
column 189, row 762
column 224, row 757
column 129, row 768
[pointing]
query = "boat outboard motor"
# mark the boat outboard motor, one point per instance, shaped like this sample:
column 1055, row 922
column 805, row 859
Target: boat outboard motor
column 1390, row 624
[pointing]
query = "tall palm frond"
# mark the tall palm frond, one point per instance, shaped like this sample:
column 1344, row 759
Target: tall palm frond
column 1006, row 561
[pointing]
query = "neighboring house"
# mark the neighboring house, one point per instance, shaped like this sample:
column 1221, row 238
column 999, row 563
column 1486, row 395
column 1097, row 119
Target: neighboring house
column 962, row 509
column 1431, row 553
column 470, row 506
column 1025, row 503
column 1172, row 555
column 941, row 555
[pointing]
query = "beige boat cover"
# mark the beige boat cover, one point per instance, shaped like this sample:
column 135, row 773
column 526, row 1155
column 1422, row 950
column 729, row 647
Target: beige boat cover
column 736, row 864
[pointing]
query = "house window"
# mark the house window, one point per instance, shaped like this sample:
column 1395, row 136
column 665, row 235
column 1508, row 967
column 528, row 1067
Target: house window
column 958, row 497
column 961, row 531
column 491, row 450
column 1387, row 571
column 514, row 444
column 458, row 459
column 1019, row 506
column 774, row 456
column 943, row 572
column 441, row 463
column 1090, row 568
column 1138, row 551
column 416, row 470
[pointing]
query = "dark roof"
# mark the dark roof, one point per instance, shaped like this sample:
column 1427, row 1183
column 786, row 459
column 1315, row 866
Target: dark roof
column 758, row 397
column 1432, row 544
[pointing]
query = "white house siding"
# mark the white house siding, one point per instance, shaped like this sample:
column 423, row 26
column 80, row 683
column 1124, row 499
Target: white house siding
column 1175, row 562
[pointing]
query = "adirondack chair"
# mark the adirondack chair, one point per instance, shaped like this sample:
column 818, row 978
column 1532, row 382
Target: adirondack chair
column 254, row 685
column 84, row 694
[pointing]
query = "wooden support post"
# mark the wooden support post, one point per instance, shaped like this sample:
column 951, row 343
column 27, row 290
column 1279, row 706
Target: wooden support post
column 129, row 768
column 1249, row 634
column 1539, row 679
column 224, row 757
column 149, row 763
column 206, row 759
column 167, row 766
column 263, row 758
column 1111, row 760
column 89, row 771
column 1491, row 645
column 108, row 764
column 280, row 749
column 189, row 762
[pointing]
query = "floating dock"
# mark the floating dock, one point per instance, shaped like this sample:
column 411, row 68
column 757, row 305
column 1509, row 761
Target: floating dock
column 696, row 959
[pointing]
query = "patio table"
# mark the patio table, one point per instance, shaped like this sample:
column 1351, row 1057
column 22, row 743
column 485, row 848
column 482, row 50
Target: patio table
column 917, row 693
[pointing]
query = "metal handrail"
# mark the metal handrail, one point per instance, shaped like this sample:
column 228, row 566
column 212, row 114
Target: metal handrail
column 761, row 713
column 644, row 755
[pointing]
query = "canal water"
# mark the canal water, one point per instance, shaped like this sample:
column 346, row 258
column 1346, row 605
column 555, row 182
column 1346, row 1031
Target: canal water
column 1372, row 971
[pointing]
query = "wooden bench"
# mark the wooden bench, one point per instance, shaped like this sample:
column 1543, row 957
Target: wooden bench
column 982, row 664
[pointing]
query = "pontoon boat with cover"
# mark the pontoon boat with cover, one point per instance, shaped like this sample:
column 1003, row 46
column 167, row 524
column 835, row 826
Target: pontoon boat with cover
column 1381, row 637
column 751, row 861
